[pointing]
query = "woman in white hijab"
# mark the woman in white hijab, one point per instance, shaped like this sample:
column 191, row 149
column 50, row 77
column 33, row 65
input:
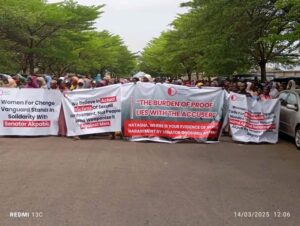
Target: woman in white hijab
column 291, row 85
column 274, row 91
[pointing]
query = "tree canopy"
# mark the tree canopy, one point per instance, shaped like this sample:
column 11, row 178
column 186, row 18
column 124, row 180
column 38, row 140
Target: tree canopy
column 222, row 37
column 58, row 37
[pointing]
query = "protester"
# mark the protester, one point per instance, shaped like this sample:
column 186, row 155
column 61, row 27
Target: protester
column 274, row 91
column 233, row 87
column 48, row 80
column 98, row 78
column 242, row 89
column 282, row 87
column 9, row 83
column 179, row 82
column 266, row 94
column 291, row 85
column 32, row 82
column 61, row 86
column 214, row 83
column 20, row 80
column 147, row 78
column 259, row 90
column 200, row 85
column 53, row 84
column 42, row 83
column 80, row 84
column 67, row 83
column 74, row 82
column 252, row 90
column 64, row 86
column 226, row 85
column 93, row 84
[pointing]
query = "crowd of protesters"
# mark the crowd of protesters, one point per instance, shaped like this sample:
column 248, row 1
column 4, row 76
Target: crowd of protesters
column 250, row 88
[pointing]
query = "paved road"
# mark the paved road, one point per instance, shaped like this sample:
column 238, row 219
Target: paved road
column 117, row 183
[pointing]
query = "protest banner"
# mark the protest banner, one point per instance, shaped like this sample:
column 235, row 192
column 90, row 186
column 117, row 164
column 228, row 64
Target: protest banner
column 127, row 92
column 171, row 113
column 253, row 121
column 29, row 112
column 92, row 111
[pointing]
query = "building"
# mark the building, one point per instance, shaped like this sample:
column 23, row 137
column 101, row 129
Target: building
column 283, row 74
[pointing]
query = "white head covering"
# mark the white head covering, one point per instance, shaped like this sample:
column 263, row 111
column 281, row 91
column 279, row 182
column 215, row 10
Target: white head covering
column 249, row 84
column 149, row 77
column 291, row 85
column 273, row 91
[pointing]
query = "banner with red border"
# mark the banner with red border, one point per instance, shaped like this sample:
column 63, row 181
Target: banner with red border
column 170, row 113
column 93, row 111
column 253, row 121
column 29, row 112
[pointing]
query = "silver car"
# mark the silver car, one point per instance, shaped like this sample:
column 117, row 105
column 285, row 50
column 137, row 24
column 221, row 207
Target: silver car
column 290, row 114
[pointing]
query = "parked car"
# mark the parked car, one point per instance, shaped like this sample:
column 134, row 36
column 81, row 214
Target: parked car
column 290, row 114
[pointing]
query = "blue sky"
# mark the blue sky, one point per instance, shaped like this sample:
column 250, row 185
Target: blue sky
column 136, row 21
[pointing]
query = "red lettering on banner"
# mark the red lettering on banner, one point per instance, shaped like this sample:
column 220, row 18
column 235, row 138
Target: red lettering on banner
column 169, row 129
column 202, row 105
column 251, row 126
column 171, row 103
column 95, row 125
column 105, row 100
column 175, row 114
column 254, row 116
column 83, row 108
column 26, row 124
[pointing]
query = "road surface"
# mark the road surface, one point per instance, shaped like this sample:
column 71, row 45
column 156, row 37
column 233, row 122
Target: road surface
column 93, row 182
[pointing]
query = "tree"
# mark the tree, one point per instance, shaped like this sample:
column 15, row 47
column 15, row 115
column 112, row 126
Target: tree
column 8, row 63
column 62, row 53
column 57, row 38
column 30, row 24
column 153, row 56
column 257, row 31
column 168, row 55
column 106, row 52
column 227, row 36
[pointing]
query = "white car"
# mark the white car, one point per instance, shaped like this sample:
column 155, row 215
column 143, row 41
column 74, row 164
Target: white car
column 290, row 114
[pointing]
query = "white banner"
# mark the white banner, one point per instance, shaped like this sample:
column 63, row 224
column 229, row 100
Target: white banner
column 171, row 113
column 93, row 111
column 29, row 112
column 253, row 121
